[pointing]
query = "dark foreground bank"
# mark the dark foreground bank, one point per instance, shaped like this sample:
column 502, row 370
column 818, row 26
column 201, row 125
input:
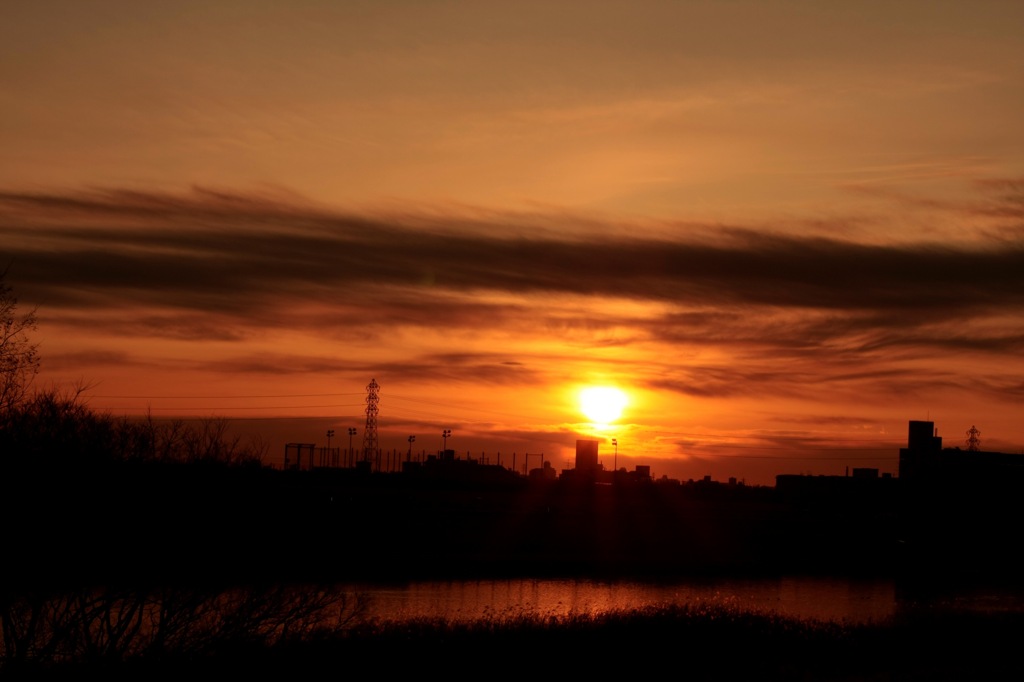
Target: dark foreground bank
column 692, row 643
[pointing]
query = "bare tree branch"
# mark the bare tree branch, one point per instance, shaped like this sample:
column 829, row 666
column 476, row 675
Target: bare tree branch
column 19, row 359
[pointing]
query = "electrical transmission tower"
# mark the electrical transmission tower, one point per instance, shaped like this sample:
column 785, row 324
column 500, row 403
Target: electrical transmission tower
column 370, row 444
column 973, row 439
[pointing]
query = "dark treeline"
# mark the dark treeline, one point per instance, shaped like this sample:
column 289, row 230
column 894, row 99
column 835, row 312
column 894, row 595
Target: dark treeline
column 159, row 546
column 53, row 429
column 95, row 499
column 99, row 499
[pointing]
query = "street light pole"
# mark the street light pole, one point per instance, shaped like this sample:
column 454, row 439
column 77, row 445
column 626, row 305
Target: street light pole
column 615, row 442
column 408, row 457
column 351, row 432
column 444, row 435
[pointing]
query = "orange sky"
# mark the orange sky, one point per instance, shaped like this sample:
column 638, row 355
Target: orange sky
column 783, row 228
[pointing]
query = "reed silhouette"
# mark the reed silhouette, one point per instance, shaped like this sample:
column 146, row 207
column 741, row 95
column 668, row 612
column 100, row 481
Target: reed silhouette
column 90, row 626
column 302, row 632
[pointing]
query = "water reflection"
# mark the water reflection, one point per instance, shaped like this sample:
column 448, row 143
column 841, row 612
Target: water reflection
column 807, row 598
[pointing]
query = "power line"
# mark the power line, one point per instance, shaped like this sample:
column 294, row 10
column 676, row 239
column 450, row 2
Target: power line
column 461, row 407
column 220, row 397
column 799, row 440
column 415, row 400
column 219, row 407
column 805, row 457
column 783, row 447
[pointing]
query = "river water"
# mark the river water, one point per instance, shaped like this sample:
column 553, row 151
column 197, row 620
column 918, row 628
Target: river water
column 818, row 599
column 821, row 599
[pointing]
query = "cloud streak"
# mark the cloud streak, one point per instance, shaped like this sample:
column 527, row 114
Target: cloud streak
column 229, row 253
column 787, row 313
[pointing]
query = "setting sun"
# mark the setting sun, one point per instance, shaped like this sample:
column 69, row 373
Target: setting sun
column 602, row 404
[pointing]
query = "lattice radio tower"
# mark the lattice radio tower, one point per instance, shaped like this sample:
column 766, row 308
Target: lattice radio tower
column 370, row 443
column 973, row 439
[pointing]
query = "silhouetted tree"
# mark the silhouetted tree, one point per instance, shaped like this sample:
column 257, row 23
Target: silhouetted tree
column 19, row 361
column 56, row 426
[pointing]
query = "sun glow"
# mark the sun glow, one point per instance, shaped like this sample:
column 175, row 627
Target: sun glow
column 602, row 404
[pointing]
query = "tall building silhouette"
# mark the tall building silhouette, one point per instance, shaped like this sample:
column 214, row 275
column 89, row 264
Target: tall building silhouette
column 586, row 455
column 923, row 445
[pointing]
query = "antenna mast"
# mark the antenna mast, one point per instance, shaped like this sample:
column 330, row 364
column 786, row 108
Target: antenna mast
column 370, row 444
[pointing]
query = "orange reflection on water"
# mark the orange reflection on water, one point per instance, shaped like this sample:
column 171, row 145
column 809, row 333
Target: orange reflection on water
column 821, row 599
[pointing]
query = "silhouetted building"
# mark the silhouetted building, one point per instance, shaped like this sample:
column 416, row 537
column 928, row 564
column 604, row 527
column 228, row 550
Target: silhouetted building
column 447, row 467
column 924, row 459
column 922, row 445
column 544, row 473
column 586, row 455
column 835, row 487
column 962, row 509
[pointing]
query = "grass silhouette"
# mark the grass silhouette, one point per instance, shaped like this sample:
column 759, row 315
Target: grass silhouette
column 305, row 632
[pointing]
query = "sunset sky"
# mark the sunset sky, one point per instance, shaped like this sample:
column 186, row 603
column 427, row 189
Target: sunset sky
column 783, row 229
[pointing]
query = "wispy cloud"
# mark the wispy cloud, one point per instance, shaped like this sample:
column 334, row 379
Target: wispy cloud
column 217, row 252
column 217, row 266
